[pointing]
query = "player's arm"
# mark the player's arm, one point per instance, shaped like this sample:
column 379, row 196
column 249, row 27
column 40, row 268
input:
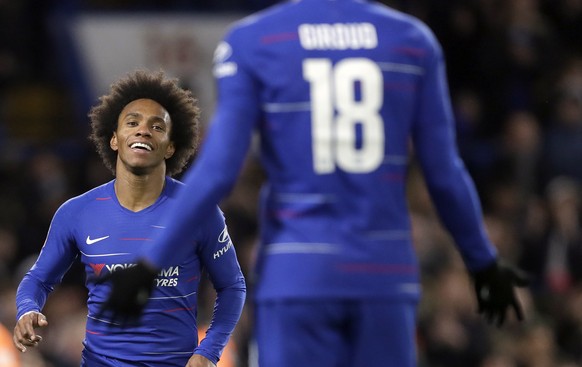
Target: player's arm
column 454, row 195
column 218, row 257
column 56, row 257
column 221, row 158
column 450, row 186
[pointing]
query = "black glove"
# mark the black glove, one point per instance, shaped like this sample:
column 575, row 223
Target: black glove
column 130, row 291
column 495, row 289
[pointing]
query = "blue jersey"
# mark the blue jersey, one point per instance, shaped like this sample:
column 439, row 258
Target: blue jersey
column 106, row 237
column 339, row 92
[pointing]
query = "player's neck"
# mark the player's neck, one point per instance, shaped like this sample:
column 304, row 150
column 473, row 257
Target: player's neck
column 137, row 192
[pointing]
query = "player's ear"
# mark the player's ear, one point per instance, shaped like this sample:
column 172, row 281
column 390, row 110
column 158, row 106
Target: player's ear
column 113, row 142
column 170, row 150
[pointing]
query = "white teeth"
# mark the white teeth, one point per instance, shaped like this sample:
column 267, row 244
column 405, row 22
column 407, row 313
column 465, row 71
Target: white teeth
column 141, row 145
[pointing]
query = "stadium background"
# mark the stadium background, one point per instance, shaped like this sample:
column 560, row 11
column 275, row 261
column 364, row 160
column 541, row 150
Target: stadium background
column 515, row 71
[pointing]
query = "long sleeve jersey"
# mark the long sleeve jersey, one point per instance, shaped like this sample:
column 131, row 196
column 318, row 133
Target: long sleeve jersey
column 106, row 237
column 338, row 92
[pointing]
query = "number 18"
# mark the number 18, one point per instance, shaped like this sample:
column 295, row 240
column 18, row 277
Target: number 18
column 334, row 135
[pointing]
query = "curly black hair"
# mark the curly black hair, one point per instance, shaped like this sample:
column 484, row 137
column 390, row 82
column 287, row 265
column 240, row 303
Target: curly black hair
column 180, row 104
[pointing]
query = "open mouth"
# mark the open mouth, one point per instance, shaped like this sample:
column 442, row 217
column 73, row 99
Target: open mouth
column 141, row 146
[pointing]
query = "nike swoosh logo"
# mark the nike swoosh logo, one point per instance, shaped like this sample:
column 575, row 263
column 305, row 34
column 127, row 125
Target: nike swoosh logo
column 90, row 241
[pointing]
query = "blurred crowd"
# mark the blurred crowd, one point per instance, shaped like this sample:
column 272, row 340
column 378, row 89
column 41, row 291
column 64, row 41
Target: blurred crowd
column 515, row 72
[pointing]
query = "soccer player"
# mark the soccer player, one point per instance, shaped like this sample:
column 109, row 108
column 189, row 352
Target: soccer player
column 145, row 130
column 344, row 94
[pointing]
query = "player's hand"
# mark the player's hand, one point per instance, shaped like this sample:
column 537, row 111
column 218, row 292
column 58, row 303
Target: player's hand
column 130, row 292
column 199, row 361
column 495, row 290
column 24, row 334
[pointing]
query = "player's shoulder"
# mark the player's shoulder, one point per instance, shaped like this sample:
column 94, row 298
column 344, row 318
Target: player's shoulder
column 392, row 14
column 289, row 12
column 99, row 193
column 406, row 23
column 173, row 186
column 258, row 20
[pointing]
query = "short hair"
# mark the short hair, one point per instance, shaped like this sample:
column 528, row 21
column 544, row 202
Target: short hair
column 180, row 104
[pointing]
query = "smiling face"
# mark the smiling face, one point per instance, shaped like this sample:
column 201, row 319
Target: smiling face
column 142, row 138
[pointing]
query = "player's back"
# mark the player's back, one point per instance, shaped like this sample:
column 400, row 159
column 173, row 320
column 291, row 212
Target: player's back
column 339, row 82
